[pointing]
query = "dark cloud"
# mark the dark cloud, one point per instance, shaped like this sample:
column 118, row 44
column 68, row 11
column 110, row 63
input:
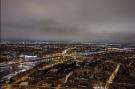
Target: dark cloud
column 97, row 20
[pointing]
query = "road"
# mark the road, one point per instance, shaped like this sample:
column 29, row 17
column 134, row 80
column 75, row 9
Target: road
column 112, row 76
column 67, row 76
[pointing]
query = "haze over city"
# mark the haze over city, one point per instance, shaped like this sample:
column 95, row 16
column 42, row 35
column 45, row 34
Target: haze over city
column 92, row 20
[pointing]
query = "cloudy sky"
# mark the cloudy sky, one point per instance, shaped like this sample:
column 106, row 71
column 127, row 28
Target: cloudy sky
column 94, row 20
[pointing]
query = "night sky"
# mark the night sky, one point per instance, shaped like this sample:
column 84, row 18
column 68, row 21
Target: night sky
column 93, row 20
